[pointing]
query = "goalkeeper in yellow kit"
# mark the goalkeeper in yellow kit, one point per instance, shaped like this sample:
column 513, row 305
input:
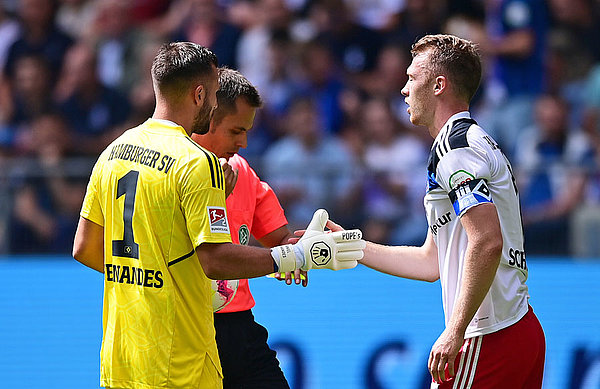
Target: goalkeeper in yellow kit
column 154, row 222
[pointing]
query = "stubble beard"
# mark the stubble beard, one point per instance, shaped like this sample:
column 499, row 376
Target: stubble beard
column 201, row 123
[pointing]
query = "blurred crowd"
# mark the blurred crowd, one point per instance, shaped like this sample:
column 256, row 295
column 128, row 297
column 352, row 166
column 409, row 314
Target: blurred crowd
column 333, row 132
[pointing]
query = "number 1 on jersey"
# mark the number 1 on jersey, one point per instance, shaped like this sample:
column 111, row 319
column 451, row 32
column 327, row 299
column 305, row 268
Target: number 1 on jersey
column 127, row 247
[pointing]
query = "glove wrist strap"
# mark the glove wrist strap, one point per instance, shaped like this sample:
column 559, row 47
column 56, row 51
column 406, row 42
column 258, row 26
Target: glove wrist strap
column 287, row 258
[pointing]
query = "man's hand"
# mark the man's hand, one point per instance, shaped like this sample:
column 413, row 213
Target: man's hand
column 444, row 353
column 318, row 249
column 297, row 275
column 229, row 175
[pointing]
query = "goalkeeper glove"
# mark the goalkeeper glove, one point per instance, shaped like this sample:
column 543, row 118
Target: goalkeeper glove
column 320, row 250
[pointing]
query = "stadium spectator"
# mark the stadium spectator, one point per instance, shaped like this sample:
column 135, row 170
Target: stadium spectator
column 203, row 22
column 552, row 162
column 116, row 39
column 277, row 94
column 9, row 32
column 141, row 95
column 321, row 82
column 388, row 78
column 392, row 197
column 417, row 18
column 76, row 16
column 577, row 20
column 328, row 177
column 353, row 46
column 31, row 92
column 91, row 108
column 258, row 20
column 379, row 15
column 517, row 47
column 39, row 35
column 567, row 68
column 46, row 199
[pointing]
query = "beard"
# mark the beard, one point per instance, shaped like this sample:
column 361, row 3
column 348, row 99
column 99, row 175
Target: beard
column 201, row 123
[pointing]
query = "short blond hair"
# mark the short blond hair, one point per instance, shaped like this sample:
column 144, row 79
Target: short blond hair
column 454, row 57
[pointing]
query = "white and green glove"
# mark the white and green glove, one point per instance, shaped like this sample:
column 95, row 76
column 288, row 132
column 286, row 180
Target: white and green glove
column 320, row 250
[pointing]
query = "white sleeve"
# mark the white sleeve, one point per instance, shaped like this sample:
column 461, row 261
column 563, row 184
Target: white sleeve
column 464, row 173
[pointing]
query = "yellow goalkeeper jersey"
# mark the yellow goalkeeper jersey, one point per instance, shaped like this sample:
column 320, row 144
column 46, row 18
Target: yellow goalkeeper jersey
column 158, row 196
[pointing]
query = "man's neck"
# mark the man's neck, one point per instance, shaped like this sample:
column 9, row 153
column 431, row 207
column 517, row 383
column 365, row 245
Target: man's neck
column 443, row 114
column 163, row 112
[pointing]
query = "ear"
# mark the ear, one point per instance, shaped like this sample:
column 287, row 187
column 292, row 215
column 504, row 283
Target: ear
column 441, row 83
column 199, row 95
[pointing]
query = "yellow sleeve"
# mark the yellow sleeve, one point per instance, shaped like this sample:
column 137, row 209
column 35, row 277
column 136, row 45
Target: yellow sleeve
column 91, row 208
column 203, row 202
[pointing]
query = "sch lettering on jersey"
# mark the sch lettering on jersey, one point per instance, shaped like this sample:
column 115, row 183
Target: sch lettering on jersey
column 440, row 222
column 124, row 274
column 517, row 258
column 143, row 156
column 468, row 194
column 218, row 219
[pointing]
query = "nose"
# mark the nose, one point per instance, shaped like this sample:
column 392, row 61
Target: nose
column 243, row 140
column 404, row 91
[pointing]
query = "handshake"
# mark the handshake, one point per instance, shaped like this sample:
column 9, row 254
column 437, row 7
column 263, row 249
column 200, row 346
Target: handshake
column 318, row 249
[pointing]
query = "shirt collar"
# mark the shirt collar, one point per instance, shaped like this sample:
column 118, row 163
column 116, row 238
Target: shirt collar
column 157, row 124
column 446, row 127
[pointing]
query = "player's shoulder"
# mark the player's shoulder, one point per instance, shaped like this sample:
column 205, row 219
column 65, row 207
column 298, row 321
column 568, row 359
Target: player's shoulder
column 465, row 142
column 454, row 139
column 199, row 155
column 464, row 133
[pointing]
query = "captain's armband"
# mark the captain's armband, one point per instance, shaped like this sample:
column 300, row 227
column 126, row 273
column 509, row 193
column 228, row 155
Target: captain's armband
column 469, row 194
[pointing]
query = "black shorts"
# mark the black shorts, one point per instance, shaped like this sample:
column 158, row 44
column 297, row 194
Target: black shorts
column 246, row 358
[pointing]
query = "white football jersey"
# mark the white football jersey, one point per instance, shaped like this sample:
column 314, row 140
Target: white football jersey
column 466, row 168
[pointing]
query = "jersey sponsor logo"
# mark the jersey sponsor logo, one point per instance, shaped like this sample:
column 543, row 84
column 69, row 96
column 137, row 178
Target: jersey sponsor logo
column 142, row 155
column 459, row 178
column 218, row 220
column 471, row 193
column 131, row 275
column 440, row 222
column 244, row 235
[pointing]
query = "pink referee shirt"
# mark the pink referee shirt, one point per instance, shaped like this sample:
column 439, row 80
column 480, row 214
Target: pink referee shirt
column 252, row 209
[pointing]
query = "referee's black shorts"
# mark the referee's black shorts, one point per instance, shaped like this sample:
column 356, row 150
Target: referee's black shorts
column 246, row 358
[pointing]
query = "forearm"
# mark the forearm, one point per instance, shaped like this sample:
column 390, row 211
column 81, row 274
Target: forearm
column 224, row 261
column 92, row 262
column 277, row 237
column 480, row 266
column 417, row 263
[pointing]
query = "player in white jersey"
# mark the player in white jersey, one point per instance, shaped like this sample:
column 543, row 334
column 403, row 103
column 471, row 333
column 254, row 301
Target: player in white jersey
column 467, row 167
column 475, row 243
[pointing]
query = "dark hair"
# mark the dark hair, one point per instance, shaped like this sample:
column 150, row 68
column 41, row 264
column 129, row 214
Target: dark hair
column 179, row 63
column 455, row 58
column 233, row 85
